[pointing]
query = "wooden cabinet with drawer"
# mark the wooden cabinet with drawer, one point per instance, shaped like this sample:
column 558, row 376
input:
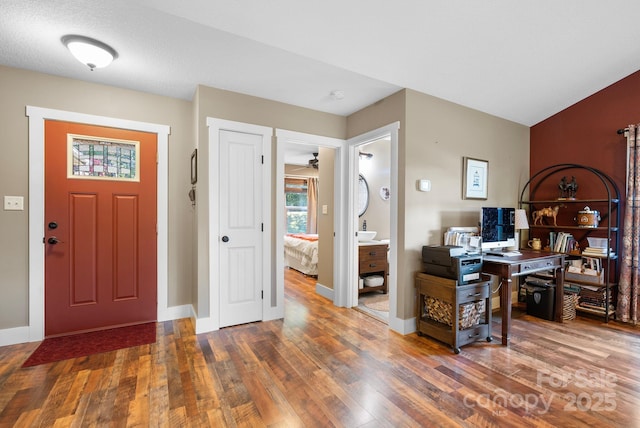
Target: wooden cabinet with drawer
column 451, row 313
column 372, row 260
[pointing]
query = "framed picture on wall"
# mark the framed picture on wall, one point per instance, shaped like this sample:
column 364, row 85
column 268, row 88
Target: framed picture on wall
column 194, row 166
column 475, row 178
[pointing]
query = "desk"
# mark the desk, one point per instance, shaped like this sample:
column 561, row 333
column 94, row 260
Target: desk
column 508, row 268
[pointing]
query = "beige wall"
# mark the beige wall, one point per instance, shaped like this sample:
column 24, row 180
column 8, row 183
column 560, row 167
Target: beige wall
column 434, row 137
column 20, row 88
column 326, row 184
column 217, row 103
column 439, row 135
column 384, row 112
column 377, row 173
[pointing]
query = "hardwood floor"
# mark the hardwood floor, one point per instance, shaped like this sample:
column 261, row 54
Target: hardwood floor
column 328, row 366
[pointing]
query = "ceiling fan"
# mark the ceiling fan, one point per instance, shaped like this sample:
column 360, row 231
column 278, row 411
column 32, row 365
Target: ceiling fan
column 312, row 163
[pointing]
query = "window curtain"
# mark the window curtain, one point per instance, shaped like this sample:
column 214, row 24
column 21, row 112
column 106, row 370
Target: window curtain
column 627, row 308
column 312, row 205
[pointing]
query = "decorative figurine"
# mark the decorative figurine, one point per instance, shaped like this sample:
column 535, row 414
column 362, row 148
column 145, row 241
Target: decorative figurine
column 563, row 187
column 568, row 189
column 545, row 212
column 572, row 188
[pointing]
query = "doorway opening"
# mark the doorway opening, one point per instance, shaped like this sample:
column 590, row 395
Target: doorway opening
column 305, row 160
column 374, row 227
column 355, row 222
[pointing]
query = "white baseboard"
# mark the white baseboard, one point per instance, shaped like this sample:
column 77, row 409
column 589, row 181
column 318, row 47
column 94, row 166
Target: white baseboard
column 204, row 325
column 175, row 313
column 403, row 327
column 324, row 291
column 16, row 335
column 13, row 336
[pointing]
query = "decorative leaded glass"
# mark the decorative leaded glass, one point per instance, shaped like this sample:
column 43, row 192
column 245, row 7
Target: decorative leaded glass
column 103, row 158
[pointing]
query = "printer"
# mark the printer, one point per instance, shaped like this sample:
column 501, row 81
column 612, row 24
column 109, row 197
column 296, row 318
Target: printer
column 451, row 261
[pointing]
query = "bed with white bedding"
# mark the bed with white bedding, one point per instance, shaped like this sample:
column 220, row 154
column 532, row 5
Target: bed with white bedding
column 301, row 252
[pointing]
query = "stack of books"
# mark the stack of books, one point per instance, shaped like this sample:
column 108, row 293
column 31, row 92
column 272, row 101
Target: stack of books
column 598, row 248
column 598, row 252
column 594, row 298
column 466, row 237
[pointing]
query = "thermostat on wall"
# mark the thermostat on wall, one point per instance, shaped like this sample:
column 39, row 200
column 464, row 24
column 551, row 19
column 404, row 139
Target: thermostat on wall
column 424, row 185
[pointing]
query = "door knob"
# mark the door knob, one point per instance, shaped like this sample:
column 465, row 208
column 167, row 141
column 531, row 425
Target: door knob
column 225, row 238
column 53, row 240
column 53, row 225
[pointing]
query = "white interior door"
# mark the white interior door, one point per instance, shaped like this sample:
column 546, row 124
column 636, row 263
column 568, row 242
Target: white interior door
column 241, row 228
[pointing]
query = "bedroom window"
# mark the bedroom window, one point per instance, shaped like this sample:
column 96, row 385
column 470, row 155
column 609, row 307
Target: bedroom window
column 295, row 190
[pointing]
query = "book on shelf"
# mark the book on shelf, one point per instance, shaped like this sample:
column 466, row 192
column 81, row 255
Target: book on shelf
column 571, row 288
column 583, row 287
column 598, row 252
column 563, row 242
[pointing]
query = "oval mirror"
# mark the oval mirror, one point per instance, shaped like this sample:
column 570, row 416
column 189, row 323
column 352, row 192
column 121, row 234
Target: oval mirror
column 363, row 195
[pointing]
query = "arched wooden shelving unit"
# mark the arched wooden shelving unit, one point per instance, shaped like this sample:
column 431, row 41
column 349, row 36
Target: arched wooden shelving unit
column 610, row 217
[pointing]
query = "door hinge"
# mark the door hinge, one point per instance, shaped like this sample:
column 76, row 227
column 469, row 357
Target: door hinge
column 262, row 294
column 262, row 160
column 261, row 227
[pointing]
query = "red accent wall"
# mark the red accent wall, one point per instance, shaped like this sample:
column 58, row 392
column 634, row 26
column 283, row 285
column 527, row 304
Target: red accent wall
column 585, row 133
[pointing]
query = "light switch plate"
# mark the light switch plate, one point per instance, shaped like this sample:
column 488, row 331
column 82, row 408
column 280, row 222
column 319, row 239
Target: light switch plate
column 325, row 209
column 424, row 185
column 14, row 203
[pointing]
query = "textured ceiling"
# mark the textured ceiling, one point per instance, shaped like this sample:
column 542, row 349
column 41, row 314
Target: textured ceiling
column 519, row 60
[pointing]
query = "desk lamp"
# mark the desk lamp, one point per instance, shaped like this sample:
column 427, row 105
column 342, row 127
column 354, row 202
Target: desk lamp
column 520, row 223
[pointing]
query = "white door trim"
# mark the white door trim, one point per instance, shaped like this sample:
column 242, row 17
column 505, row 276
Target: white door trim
column 215, row 126
column 284, row 137
column 350, row 288
column 37, row 117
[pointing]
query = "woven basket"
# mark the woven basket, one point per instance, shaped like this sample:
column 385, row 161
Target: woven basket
column 469, row 314
column 570, row 301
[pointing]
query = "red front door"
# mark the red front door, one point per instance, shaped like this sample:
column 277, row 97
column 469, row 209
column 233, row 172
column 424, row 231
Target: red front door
column 100, row 227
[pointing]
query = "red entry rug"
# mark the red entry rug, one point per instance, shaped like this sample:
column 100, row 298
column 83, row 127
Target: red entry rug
column 95, row 342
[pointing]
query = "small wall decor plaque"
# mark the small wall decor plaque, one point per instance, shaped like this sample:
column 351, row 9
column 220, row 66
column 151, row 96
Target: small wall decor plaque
column 385, row 194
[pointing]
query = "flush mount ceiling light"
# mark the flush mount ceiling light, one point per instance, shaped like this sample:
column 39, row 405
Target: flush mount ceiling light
column 93, row 53
column 337, row 95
